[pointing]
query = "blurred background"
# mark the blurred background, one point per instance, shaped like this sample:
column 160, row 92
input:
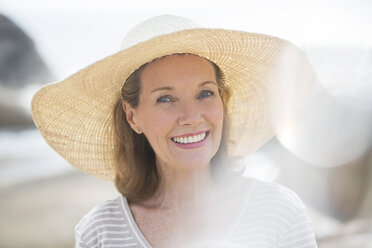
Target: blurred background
column 324, row 154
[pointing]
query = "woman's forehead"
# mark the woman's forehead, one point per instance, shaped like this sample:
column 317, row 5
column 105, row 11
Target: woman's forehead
column 177, row 68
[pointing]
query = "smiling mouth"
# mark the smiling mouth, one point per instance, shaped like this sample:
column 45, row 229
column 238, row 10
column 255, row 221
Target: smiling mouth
column 191, row 139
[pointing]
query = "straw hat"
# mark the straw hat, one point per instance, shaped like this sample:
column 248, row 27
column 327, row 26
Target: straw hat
column 266, row 75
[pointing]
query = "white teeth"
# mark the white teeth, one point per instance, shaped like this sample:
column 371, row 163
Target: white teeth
column 190, row 139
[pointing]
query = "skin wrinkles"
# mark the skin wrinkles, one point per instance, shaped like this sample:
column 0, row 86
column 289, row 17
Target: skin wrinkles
column 191, row 104
column 184, row 113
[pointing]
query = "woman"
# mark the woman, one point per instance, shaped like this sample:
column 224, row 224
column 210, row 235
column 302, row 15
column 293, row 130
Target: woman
column 165, row 118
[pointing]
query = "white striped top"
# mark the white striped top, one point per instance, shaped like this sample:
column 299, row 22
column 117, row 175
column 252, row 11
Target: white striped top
column 270, row 216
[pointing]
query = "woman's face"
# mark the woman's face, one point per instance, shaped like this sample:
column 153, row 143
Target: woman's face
column 180, row 111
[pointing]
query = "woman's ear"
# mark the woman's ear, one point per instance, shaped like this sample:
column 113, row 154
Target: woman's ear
column 130, row 114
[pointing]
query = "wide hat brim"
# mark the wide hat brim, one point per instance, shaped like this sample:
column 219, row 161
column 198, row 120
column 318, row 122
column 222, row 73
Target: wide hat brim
column 265, row 75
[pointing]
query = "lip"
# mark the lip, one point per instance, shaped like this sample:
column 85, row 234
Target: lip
column 192, row 145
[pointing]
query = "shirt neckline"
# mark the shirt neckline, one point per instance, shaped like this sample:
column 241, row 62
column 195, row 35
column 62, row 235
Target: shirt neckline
column 132, row 223
column 229, row 230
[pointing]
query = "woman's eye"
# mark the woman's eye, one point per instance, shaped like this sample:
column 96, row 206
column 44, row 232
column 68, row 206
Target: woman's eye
column 163, row 99
column 206, row 93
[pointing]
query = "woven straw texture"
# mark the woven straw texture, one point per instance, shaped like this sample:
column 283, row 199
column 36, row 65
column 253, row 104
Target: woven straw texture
column 267, row 76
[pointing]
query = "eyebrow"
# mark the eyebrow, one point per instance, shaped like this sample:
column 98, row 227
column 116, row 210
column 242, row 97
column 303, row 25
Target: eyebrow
column 208, row 82
column 171, row 88
column 163, row 88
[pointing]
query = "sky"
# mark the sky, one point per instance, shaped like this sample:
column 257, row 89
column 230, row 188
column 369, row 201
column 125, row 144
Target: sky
column 73, row 33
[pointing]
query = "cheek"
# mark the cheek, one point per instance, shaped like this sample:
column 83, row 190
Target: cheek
column 157, row 123
column 216, row 113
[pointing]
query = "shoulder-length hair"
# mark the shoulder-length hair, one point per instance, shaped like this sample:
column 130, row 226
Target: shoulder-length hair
column 137, row 177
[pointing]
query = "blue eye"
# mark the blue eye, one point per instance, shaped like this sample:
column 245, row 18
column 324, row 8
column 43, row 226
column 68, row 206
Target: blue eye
column 206, row 93
column 163, row 99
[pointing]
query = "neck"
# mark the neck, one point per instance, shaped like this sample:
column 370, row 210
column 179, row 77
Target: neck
column 182, row 189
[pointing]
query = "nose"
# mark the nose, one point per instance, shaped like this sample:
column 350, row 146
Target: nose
column 190, row 114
